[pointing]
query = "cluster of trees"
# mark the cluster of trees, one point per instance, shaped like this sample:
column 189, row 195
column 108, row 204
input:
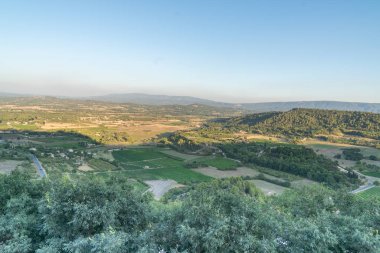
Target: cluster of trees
column 231, row 215
column 180, row 142
column 303, row 123
column 368, row 169
column 283, row 183
column 353, row 154
column 297, row 160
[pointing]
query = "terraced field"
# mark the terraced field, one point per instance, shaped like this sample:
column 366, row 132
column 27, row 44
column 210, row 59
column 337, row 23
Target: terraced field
column 101, row 165
column 151, row 164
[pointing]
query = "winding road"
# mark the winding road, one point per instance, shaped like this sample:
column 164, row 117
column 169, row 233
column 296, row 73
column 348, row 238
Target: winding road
column 368, row 185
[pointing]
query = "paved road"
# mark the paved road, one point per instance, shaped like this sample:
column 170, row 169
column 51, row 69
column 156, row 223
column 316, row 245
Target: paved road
column 368, row 185
column 362, row 188
column 41, row 171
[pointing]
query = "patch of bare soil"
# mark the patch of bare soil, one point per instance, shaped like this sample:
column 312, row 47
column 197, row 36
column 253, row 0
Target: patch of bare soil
column 8, row 166
column 105, row 155
column 160, row 187
column 85, row 168
column 268, row 188
column 58, row 126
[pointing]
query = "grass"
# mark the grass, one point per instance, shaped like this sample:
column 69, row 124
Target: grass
column 182, row 156
column 133, row 155
column 179, row 174
column 220, row 163
column 277, row 173
column 372, row 174
column 138, row 185
column 101, row 165
column 366, row 151
column 325, row 146
column 371, row 193
column 151, row 164
column 368, row 169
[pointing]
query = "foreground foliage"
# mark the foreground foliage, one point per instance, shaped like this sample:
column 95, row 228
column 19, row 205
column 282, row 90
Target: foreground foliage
column 219, row 216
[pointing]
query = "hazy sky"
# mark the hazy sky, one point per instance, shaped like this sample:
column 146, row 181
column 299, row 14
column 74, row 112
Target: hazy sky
column 226, row 50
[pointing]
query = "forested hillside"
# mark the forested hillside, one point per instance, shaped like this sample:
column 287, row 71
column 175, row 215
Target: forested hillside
column 305, row 123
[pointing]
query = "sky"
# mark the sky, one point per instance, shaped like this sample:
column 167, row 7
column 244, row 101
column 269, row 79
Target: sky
column 233, row 51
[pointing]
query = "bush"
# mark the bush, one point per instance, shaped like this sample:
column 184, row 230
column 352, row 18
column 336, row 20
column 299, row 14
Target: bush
column 353, row 154
column 273, row 181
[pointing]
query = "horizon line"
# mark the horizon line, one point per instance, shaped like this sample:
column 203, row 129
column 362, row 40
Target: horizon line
column 93, row 97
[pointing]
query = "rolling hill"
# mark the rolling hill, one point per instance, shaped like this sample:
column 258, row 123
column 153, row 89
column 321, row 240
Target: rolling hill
column 325, row 105
column 306, row 123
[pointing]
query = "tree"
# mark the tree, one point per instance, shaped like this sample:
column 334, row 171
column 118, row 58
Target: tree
column 89, row 207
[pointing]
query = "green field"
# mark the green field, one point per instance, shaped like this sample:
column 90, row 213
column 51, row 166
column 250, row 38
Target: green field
column 133, row 155
column 371, row 173
column 101, row 165
column 179, row 174
column 220, row 163
column 151, row 164
column 371, row 193
column 182, row 156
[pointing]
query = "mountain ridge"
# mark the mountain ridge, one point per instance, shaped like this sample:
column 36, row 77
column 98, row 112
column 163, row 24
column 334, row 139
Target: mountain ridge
column 148, row 99
column 141, row 98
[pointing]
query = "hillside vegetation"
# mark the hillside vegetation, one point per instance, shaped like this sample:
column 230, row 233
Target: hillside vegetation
column 293, row 159
column 301, row 123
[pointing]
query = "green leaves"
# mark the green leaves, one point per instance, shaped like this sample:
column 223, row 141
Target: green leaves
column 89, row 207
column 228, row 215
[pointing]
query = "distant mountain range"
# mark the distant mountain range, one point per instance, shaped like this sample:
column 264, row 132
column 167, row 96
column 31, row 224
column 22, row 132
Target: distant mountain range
column 146, row 99
column 139, row 98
